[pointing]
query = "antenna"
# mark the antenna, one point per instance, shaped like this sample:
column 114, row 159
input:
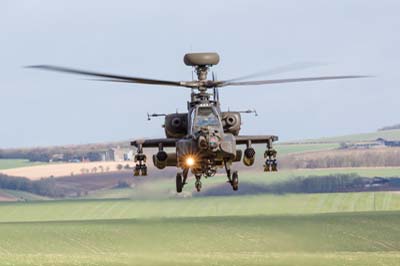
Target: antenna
column 249, row 112
column 149, row 116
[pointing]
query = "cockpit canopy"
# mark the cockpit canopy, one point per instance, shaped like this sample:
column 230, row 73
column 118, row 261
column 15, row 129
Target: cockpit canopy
column 205, row 116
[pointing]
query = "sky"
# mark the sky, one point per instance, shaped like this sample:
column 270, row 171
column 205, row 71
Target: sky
column 149, row 39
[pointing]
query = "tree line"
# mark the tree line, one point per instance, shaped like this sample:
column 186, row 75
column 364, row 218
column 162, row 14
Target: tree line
column 321, row 184
column 44, row 187
column 313, row 184
column 45, row 155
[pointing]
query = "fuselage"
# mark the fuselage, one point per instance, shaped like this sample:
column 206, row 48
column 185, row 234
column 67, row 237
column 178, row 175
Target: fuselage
column 207, row 146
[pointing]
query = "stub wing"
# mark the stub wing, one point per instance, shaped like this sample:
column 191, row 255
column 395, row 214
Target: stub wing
column 241, row 140
column 154, row 143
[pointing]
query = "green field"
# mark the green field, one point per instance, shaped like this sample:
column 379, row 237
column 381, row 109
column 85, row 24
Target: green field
column 313, row 229
column 16, row 163
column 284, row 149
column 387, row 134
column 334, row 239
column 294, row 204
column 20, row 195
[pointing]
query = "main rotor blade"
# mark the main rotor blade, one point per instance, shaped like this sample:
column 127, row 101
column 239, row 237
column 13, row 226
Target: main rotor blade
column 276, row 81
column 279, row 70
column 110, row 77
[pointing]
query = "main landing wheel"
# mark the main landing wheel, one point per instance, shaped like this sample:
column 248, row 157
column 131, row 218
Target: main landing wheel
column 198, row 185
column 235, row 181
column 179, row 183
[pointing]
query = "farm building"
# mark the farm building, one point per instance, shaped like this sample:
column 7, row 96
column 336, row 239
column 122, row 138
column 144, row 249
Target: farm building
column 117, row 155
column 389, row 143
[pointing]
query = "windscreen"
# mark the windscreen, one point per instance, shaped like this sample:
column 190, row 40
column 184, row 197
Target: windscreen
column 205, row 117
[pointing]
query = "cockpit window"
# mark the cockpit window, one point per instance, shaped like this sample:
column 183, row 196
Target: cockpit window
column 205, row 117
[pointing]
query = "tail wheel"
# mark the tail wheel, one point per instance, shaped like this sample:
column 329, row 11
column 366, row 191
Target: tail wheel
column 235, row 181
column 179, row 183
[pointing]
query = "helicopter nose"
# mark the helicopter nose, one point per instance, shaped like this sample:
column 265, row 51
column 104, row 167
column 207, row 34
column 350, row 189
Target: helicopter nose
column 202, row 142
column 205, row 143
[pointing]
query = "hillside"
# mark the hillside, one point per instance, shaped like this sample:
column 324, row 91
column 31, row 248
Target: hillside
column 396, row 126
column 97, row 179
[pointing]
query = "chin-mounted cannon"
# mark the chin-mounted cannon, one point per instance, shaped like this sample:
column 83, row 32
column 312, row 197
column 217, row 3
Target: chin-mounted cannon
column 140, row 160
column 271, row 164
column 208, row 139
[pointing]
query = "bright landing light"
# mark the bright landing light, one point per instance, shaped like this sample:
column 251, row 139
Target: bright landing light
column 189, row 161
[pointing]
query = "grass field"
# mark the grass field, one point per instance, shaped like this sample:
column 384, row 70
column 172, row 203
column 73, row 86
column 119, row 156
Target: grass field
column 16, row 163
column 16, row 195
column 295, row 204
column 387, row 134
column 318, row 229
column 284, row 149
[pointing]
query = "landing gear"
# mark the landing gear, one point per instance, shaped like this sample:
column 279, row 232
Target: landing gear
column 140, row 160
column 271, row 164
column 233, row 178
column 136, row 171
column 197, row 184
column 235, row 181
column 181, row 180
column 179, row 183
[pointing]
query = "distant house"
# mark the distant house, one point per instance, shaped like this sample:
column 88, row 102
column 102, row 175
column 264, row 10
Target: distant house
column 363, row 145
column 57, row 157
column 107, row 155
column 117, row 155
column 389, row 143
column 128, row 156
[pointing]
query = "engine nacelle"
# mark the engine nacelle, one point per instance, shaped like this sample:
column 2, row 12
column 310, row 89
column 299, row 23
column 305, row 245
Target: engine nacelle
column 249, row 156
column 231, row 122
column 175, row 125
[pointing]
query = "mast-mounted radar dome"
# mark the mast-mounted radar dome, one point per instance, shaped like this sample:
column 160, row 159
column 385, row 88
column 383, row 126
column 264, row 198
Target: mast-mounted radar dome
column 201, row 59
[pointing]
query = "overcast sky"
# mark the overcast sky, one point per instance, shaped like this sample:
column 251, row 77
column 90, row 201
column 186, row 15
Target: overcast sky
column 149, row 38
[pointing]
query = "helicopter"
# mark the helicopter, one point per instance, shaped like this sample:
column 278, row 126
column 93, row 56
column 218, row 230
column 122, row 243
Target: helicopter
column 205, row 138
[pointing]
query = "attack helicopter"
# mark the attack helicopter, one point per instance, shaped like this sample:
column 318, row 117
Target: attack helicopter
column 205, row 138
